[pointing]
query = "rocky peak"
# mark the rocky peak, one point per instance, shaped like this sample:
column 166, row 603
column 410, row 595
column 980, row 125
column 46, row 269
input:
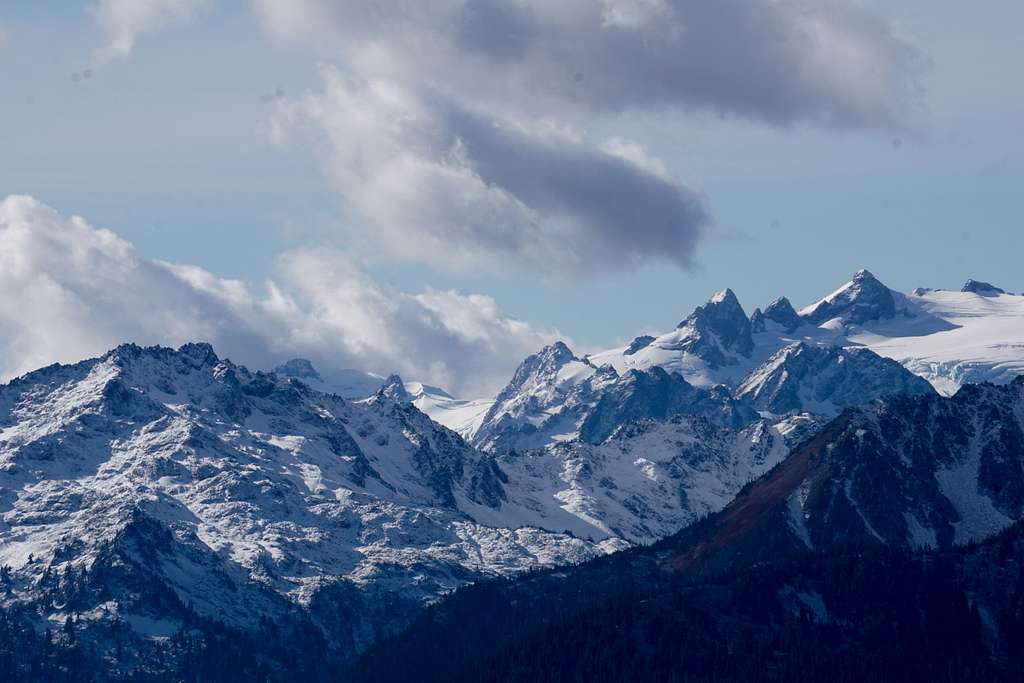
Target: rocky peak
column 782, row 312
column 541, row 366
column 862, row 299
column 723, row 318
column 982, row 288
column 394, row 389
column 299, row 368
column 641, row 342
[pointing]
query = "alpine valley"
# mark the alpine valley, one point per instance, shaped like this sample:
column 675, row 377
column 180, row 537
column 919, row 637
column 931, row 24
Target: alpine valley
column 731, row 485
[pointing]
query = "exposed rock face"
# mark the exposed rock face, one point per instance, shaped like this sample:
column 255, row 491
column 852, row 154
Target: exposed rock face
column 638, row 343
column 909, row 471
column 718, row 329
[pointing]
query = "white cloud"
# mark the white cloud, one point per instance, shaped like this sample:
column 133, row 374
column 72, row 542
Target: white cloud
column 124, row 21
column 73, row 291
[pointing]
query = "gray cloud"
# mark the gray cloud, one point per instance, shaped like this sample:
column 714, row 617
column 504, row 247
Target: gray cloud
column 830, row 62
column 451, row 127
column 441, row 182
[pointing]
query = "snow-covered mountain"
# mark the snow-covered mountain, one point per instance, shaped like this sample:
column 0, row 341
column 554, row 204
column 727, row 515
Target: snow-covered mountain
column 648, row 480
column 825, row 379
column 151, row 487
column 243, row 496
column 908, row 471
column 948, row 338
column 717, row 363
column 555, row 396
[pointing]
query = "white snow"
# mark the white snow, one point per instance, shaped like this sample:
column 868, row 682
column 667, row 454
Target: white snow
column 983, row 341
column 979, row 518
column 641, row 485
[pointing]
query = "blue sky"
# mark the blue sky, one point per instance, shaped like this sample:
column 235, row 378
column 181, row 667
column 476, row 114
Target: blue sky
column 172, row 148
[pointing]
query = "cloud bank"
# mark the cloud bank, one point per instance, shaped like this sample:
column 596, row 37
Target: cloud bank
column 81, row 291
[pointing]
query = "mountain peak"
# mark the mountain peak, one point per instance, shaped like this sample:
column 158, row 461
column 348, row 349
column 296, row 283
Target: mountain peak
column 559, row 349
column 643, row 341
column 982, row 288
column 724, row 318
column 541, row 369
column 394, row 389
column 299, row 368
column 192, row 354
column 552, row 356
column 783, row 313
column 862, row 299
column 724, row 296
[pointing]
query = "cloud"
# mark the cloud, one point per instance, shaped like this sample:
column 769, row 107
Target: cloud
column 125, row 20
column 450, row 127
column 830, row 62
column 441, row 182
column 75, row 291
column 456, row 130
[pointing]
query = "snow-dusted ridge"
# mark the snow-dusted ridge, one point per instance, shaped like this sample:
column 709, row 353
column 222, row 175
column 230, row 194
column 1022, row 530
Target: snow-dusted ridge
column 948, row 338
column 241, row 495
column 265, row 493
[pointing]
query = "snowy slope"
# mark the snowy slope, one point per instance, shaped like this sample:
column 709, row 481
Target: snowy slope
column 647, row 481
column 984, row 340
column 461, row 416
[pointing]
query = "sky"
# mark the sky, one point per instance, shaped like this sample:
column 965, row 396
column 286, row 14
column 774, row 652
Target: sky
column 440, row 188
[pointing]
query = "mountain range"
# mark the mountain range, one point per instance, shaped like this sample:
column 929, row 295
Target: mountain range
column 946, row 338
column 154, row 493
column 891, row 542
